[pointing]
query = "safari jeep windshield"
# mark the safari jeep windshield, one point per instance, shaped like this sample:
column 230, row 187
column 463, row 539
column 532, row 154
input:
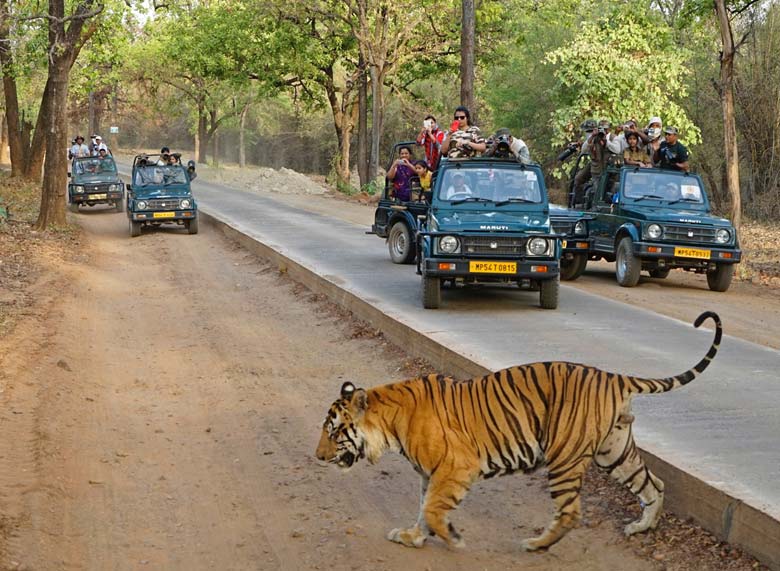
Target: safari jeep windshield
column 490, row 184
column 94, row 166
column 159, row 175
column 658, row 185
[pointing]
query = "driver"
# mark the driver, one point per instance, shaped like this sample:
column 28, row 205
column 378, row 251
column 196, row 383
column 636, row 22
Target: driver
column 457, row 187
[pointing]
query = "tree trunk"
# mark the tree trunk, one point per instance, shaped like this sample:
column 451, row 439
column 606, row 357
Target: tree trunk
column 377, row 117
column 11, row 97
column 92, row 118
column 363, row 165
column 242, row 137
column 4, row 155
column 727, row 103
column 203, row 138
column 33, row 166
column 55, row 175
column 467, row 40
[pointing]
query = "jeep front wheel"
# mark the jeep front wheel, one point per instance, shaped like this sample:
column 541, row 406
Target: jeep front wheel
column 548, row 293
column 431, row 292
column 627, row 265
column 192, row 226
column 135, row 228
column 120, row 205
column 572, row 269
column 400, row 245
column 73, row 207
column 720, row 278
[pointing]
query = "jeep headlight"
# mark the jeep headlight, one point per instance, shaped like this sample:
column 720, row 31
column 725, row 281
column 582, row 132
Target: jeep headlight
column 141, row 205
column 113, row 188
column 538, row 246
column 449, row 245
column 654, row 231
column 185, row 203
column 722, row 236
column 78, row 189
column 580, row 228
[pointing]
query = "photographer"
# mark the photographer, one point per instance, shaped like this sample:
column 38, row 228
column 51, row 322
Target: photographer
column 463, row 139
column 600, row 154
column 400, row 173
column 430, row 139
column 504, row 145
column 672, row 154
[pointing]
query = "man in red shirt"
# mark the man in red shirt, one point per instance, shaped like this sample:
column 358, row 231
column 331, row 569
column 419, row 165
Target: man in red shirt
column 430, row 138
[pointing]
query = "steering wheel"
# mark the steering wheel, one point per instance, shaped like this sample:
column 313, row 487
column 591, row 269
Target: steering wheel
column 460, row 196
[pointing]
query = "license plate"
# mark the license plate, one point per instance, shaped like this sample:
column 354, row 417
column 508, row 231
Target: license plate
column 163, row 215
column 692, row 253
column 97, row 196
column 493, row 267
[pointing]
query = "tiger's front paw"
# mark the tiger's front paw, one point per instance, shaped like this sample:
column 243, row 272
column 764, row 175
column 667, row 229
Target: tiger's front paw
column 532, row 544
column 412, row 537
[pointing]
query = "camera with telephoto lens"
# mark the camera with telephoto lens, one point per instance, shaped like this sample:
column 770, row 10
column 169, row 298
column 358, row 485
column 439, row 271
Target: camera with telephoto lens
column 502, row 148
column 570, row 149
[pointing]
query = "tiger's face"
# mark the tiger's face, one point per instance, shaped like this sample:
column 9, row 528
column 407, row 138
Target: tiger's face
column 342, row 442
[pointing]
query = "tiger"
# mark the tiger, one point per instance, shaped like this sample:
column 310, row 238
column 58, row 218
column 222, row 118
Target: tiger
column 560, row 415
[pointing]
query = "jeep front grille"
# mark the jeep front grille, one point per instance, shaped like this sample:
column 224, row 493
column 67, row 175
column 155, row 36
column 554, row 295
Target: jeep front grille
column 96, row 187
column 162, row 204
column 493, row 245
column 703, row 234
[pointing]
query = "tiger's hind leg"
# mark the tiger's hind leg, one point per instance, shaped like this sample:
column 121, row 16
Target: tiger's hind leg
column 565, row 486
column 619, row 456
column 416, row 535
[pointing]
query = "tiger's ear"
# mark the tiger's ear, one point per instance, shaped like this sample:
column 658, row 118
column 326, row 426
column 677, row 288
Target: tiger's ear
column 347, row 390
column 358, row 398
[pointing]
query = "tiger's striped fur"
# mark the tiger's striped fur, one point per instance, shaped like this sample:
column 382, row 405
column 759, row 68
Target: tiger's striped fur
column 555, row 414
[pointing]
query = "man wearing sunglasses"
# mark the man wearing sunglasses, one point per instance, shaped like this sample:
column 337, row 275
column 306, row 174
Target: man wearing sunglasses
column 463, row 139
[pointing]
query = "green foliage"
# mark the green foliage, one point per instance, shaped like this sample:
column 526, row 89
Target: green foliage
column 620, row 66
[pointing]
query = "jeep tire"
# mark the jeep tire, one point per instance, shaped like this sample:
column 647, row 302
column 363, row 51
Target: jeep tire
column 431, row 292
column 400, row 244
column 660, row 273
column 720, row 278
column 135, row 228
column 73, row 207
column 120, row 205
column 192, row 226
column 572, row 269
column 627, row 265
column 548, row 293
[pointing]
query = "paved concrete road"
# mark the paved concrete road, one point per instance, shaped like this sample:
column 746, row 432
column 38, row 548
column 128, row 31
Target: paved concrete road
column 722, row 428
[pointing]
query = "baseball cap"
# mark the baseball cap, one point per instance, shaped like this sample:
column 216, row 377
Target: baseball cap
column 671, row 131
column 98, row 138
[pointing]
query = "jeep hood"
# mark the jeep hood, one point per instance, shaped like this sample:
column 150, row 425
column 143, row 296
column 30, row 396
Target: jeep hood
column 558, row 211
column 492, row 221
column 171, row 191
column 105, row 178
column 673, row 216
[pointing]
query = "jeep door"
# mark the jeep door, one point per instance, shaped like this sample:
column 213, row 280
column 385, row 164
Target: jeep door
column 606, row 222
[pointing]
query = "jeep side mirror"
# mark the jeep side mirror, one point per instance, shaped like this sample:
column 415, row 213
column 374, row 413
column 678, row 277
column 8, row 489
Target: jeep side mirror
column 129, row 188
column 68, row 175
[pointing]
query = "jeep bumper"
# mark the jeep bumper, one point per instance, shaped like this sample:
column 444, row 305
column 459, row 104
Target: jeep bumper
column 575, row 245
column 494, row 270
column 95, row 197
column 686, row 255
column 160, row 217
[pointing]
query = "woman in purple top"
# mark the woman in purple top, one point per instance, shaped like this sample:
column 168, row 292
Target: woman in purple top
column 400, row 173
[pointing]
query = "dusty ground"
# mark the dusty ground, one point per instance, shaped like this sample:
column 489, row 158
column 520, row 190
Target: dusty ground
column 161, row 401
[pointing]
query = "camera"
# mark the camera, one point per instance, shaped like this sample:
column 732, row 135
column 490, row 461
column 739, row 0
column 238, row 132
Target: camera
column 502, row 146
column 570, row 149
column 427, row 124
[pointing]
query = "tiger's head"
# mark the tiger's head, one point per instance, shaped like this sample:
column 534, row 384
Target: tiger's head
column 342, row 441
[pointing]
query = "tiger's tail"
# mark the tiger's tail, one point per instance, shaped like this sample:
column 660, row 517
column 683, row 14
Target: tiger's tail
column 640, row 385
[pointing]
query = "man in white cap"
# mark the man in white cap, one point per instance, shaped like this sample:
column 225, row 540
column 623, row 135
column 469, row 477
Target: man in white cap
column 654, row 139
column 99, row 144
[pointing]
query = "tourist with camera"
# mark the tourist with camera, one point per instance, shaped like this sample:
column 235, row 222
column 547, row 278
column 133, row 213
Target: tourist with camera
column 504, row 145
column 672, row 154
column 463, row 138
column 430, row 139
column 401, row 173
column 654, row 139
